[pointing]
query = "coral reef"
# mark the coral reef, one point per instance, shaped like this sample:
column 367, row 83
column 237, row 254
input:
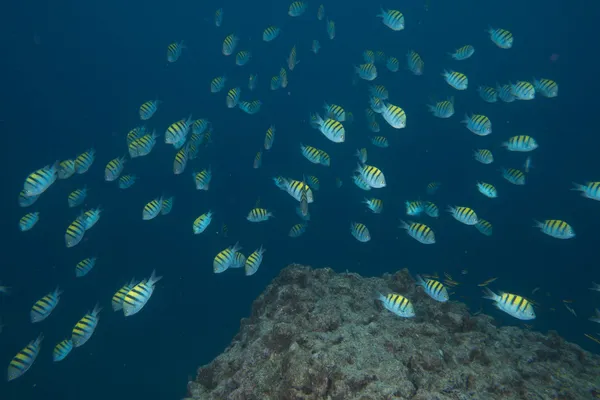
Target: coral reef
column 316, row 334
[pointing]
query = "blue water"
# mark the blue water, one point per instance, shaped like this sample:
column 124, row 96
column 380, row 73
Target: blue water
column 75, row 74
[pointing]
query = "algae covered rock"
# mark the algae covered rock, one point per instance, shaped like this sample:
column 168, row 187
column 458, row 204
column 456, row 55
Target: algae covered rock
column 316, row 334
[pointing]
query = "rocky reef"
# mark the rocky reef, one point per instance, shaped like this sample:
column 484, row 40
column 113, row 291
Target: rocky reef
column 316, row 334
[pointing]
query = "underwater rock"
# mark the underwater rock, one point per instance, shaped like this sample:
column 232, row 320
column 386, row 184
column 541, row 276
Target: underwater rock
column 316, row 334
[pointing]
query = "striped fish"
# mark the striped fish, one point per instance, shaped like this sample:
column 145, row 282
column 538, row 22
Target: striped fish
column 522, row 90
column 119, row 296
column 142, row 146
column 442, row 109
column 333, row 111
column 478, row 124
column 487, row 189
column 394, row 115
column 397, row 304
column 24, row 359
column 501, row 37
column 513, row 175
column 39, row 181
column 85, row 327
column 457, row 80
column 367, row 72
column 202, row 179
column 202, row 222
column 271, row 33
column 415, row 63
column 233, row 97
column 181, row 159
column 269, row 137
column 297, row 230
column 225, row 258
column 84, row 161
column 152, row 209
column 420, row 232
column 217, row 84
column 43, row 307
column 522, row 143
column 259, row 215
column 148, row 109
column 332, row 129
column 485, row 227
column 26, row 201
column 28, row 221
column 139, row 295
column 297, row 8
column 371, row 175
column 590, row 190
column 83, row 267
column 74, row 233
column 66, row 169
column 360, row 232
column 253, row 261
column 546, row 87
column 114, row 168
column 484, row 156
column 433, row 288
column 126, row 181
column 556, row 228
column 76, row 197
column 512, row 304
column 90, row 217
column 178, row 130
column 167, row 205
column 393, row 19
column 488, row 94
column 463, row 53
column 174, row 51
column 62, row 350
column 464, row 215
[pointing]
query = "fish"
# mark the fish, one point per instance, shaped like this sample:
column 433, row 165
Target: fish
column 259, row 215
column 114, row 168
column 139, row 295
column 514, row 176
column 297, row 230
column 433, row 289
column 478, row 124
column 556, row 228
column 28, row 221
column 464, row 215
column 487, row 189
column 77, row 197
column 271, row 33
column 224, row 259
column 42, row 308
column 229, row 44
column 590, row 190
column 397, row 304
column 62, row 350
column 152, row 209
column 420, row 232
column 372, row 176
column 484, row 156
column 202, row 222
column 375, row 205
column 463, row 52
column 484, row 227
column 174, row 51
column 415, row 63
column 119, row 296
column 148, row 109
column 75, row 233
column 39, row 181
column 85, row 327
column 24, row 359
column 501, row 37
column 83, row 267
column 521, row 143
column 457, row 80
column 254, row 261
column 360, row 232
column 393, row 19
column 512, row 304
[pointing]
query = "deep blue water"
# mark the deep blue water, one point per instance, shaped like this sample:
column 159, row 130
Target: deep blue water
column 75, row 74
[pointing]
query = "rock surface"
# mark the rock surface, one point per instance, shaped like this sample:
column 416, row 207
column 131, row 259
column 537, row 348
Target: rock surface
column 315, row 334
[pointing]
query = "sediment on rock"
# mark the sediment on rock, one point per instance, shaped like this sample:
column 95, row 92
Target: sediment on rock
column 314, row 334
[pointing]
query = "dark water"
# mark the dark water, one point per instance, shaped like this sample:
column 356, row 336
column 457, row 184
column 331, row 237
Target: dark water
column 75, row 74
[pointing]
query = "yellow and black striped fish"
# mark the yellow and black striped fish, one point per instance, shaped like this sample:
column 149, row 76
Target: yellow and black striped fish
column 139, row 295
column 24, row 359
column 75, row 233
column 85, row 327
